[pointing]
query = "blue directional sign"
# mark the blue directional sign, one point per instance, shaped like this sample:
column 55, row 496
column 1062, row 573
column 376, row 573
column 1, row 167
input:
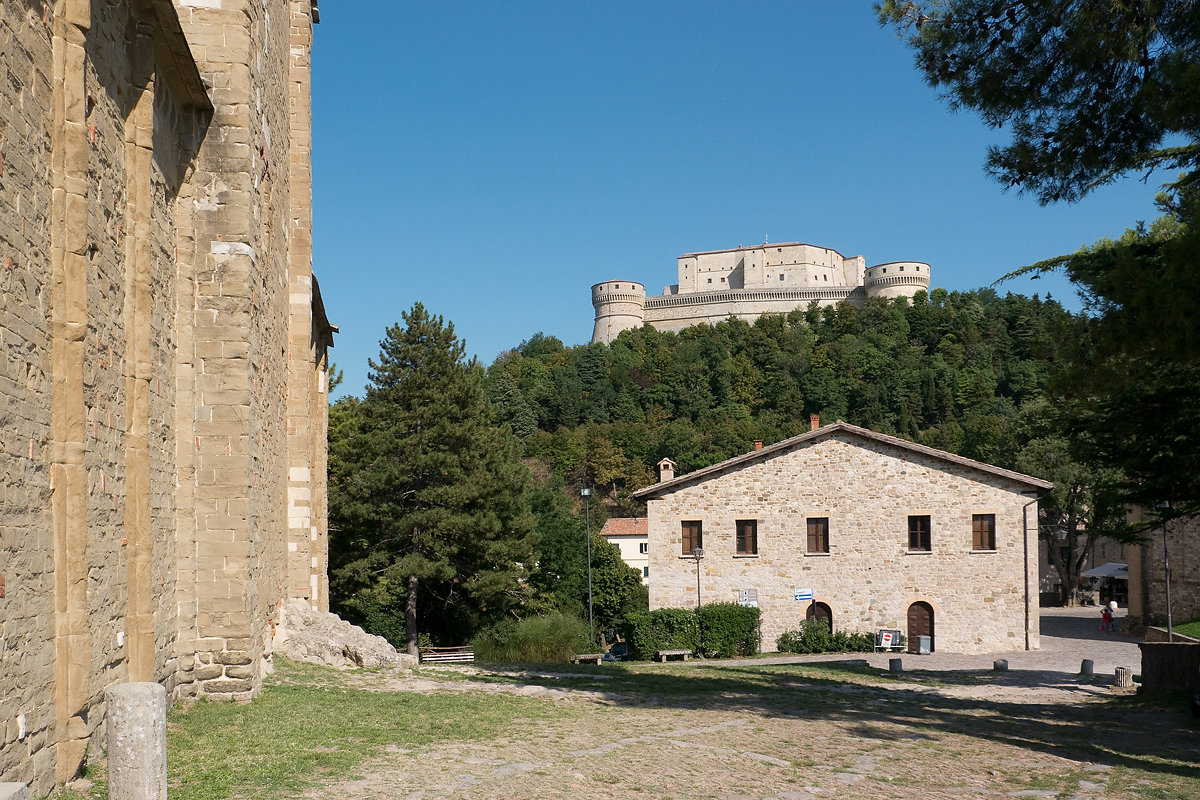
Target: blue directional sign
column 803, row 594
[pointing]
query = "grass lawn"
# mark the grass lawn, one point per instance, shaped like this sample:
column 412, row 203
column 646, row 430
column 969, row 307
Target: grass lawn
column 1188, row 628
column 650, row 731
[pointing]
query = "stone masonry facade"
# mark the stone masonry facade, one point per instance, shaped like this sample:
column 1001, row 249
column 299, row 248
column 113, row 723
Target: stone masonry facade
column 865, row 487
column 163, row 356
column 1148, row 579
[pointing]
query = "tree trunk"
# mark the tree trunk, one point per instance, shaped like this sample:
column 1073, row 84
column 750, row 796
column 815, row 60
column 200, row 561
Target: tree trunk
column 410, row 617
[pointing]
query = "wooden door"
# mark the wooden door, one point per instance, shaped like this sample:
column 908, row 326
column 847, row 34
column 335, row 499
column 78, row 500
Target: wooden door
column 920, row 623
column 820, row 611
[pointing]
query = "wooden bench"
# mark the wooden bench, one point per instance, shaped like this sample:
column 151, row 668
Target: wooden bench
column 663, row 655
column 446, row 655
column 595, row 658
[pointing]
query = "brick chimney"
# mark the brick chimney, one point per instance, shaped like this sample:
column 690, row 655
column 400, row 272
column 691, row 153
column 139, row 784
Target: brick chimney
column 666, row 470
column 814, row 421
column 758, row 444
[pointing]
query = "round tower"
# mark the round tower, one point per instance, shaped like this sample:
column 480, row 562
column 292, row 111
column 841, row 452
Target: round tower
column 896, row 279
column 620, row 305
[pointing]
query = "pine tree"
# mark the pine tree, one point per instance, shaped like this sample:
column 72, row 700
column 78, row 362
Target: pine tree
column 430, row 498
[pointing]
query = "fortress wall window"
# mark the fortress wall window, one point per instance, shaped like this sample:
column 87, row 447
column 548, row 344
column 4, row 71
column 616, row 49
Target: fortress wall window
column 902, row 269
column 781, row 277
column 919, row 533
column 747, row 537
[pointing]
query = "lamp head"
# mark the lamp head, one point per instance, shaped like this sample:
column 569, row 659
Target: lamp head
column 585, row 492
column 698, row 552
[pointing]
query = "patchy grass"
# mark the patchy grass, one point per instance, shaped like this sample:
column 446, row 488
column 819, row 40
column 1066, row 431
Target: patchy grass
column 308, row 725
column 1188, row 628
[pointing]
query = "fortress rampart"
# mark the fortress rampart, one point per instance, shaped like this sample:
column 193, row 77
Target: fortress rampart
column 748, row 282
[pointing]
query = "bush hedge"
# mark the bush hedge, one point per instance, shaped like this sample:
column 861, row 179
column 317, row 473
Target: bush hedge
column 729, row 630
column 814, row 637
column 546, row 639
column 664, row 629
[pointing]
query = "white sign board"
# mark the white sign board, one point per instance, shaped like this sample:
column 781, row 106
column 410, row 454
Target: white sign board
column 803, row 594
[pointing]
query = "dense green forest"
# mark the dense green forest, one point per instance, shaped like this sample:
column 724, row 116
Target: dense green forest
column 961, row 371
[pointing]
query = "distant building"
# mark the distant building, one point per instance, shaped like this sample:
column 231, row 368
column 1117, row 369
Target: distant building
column 629, row 535
column 866, row 530
column 1147, row 576
column 746, row 283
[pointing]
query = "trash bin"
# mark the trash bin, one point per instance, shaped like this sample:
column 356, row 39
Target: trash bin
column 923, row 645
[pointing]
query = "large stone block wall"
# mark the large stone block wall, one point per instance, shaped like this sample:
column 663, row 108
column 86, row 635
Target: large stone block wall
column 27, row 645
column 150, row 365
column 869, row 578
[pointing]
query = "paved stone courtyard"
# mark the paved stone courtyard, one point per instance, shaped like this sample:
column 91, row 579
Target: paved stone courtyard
column 950, row 728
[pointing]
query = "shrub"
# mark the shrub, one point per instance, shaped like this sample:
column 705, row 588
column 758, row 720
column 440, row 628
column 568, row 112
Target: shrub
column 814, row 637
column 549, row 638
column 729, row 629
column 663, row 629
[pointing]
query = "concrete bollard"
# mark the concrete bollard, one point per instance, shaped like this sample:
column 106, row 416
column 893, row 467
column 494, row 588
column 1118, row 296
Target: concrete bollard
column 14, row 791
column 137, row 741
column 1087, row 668
column 895, row 665
column 1124, row 677
column 1000, row 665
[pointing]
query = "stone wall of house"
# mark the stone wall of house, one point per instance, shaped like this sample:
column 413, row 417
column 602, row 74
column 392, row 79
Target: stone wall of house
column 1148, row 579
column 149, row 359
column 869, row 577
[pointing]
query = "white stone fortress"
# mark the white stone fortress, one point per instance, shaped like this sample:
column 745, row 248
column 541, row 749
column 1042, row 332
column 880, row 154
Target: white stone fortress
column 748, row 282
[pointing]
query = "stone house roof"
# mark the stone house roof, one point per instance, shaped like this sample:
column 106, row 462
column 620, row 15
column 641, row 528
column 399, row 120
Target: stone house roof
column 824, row 432
column 625, row 526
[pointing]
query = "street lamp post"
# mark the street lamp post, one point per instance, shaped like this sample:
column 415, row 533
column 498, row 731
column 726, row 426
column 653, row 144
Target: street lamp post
column 698, row 553
column 586, row 493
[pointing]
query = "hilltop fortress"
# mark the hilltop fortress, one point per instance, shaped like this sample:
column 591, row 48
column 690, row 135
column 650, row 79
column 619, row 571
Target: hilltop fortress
column 746, row 283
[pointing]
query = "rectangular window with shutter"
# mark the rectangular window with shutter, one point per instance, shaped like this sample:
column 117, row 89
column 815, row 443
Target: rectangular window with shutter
column 693, row 535
column 818, row 534
column 983, row 531
column 747, row 537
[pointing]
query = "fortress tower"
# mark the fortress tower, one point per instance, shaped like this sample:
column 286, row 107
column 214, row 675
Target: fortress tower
column 897, row 279
column 620, row 305
column 747, row 282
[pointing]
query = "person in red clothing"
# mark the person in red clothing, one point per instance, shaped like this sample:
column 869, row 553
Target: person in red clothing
column 1106, row 620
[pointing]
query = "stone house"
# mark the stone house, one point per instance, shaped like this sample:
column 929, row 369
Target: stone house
column 162, row 357
column 629, row 535
column 867, row 530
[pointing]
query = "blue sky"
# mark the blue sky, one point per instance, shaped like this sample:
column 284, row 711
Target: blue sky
column 494, row 160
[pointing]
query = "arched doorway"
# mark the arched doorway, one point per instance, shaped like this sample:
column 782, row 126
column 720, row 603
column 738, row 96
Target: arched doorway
column 920, row 623
column 820, row 611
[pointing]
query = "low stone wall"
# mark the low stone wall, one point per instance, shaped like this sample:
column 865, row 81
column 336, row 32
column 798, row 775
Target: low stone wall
column 1170, row 667
column 1160, row 635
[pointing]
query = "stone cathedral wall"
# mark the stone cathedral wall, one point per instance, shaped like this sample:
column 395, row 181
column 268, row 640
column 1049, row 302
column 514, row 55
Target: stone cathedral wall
column 162, row 357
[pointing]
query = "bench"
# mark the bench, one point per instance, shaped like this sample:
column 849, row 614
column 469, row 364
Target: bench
column 663, row 655
column 595, row 658
column 447, row 655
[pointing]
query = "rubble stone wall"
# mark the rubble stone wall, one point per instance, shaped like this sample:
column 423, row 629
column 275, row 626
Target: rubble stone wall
column 869, row 577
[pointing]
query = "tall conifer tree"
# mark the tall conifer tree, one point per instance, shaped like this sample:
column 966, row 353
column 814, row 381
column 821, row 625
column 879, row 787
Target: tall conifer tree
column 431, row 500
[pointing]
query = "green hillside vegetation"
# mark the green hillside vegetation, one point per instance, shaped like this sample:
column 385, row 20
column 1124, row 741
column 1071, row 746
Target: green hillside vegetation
column 964, row 372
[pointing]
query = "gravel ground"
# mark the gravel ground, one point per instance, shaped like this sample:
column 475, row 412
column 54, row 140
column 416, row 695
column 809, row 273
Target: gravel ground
column 972, row 732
